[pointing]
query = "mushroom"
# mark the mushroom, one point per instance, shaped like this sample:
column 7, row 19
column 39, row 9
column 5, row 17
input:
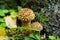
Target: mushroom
column 37, row 25
column 26, row 15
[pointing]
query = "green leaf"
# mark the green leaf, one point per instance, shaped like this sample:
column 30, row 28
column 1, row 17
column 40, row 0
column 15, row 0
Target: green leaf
column 52, row 37
column 14, row 14
column 2, row 25
column 2, row 20
column 36, row 36
column 2, row 13
column 19, row 7
column 5, row 11
column 11, row 10
column 27, row 38
column 32, row 35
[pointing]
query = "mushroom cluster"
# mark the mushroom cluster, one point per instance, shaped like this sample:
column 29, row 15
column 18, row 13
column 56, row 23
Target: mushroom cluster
column 26, row 15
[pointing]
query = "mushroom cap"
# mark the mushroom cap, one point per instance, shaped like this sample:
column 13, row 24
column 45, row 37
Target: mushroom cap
column 26, row 14
column 37, row 25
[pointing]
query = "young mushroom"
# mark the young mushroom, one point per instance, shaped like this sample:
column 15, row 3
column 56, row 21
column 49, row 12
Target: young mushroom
column 26, row 15
column 37, row 25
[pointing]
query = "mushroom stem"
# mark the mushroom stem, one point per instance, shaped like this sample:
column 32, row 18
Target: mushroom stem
column 26, row 24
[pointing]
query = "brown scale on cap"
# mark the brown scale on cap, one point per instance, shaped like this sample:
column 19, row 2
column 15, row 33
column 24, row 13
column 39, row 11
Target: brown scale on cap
column 26, row 15
column 37, row 25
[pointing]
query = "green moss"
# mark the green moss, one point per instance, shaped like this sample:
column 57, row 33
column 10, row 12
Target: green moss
column 41, row 17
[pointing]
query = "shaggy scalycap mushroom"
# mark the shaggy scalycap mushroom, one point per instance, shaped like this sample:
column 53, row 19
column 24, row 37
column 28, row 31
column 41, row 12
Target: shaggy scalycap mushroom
column 37, row 25
column 26, row 14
